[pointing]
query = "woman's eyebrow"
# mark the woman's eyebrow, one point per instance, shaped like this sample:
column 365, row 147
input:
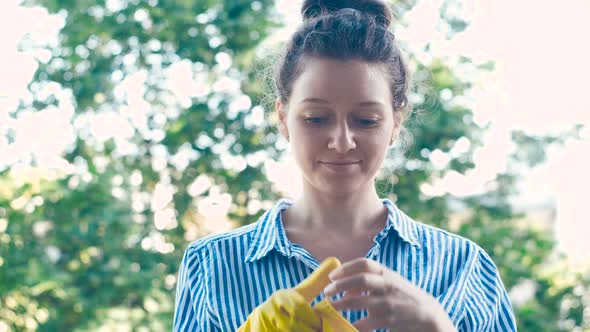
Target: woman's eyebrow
column 314, row 100
column 371, row 103
column 323, row 101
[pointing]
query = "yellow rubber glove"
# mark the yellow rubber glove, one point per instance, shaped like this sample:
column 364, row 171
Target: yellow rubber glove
column 312, row 286
column 289, row 309
column 285, row 310
column 332, row 320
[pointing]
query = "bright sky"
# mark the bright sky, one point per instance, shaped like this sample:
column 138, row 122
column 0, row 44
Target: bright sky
column 540, row 83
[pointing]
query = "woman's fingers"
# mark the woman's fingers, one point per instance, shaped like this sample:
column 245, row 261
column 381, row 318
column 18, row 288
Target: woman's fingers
column 317, row 280
column 352, row 293
column 288, row 327
column 298, row 323
column 356, row 266
column 371, row 303
column 288, row 307
column 356, row 283
column 302, row 311
column 291, row 307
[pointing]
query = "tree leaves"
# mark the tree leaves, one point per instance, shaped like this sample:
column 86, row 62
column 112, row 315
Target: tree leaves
column 96, row 241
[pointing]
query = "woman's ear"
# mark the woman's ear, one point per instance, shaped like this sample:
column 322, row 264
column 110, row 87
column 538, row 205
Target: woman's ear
column 282, row 119
column 397, row 126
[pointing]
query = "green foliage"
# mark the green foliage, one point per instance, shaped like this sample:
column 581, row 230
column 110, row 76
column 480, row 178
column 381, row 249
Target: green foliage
column 102, row 259
column 92, row 246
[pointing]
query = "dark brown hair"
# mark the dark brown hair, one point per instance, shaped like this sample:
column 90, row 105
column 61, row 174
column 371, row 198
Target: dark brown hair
column 344, row 30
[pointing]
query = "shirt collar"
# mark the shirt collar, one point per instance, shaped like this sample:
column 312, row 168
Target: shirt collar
column 269, row 233
column 404, row 226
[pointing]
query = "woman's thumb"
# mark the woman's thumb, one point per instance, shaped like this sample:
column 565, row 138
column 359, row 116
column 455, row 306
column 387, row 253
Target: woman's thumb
column 311, row 286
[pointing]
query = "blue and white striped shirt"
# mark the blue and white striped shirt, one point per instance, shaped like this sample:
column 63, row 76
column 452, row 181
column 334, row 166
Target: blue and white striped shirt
column 223, row 277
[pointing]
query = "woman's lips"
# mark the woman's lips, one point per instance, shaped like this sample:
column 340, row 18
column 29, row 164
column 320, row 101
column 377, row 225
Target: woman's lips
column 342, row 162
column 340, row 166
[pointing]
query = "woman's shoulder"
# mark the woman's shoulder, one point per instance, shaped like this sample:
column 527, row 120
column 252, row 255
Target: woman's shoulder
column 202, row 244
column 241, row 235
column 451, row 246
column 429, row 236
column 433, row 235
column 441, row 242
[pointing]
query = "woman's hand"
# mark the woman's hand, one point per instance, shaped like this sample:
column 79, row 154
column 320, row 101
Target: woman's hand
column 285, row 310
column 289, row 309
column 392, row 302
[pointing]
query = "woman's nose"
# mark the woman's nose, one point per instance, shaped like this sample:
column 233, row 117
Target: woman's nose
column 341, row 138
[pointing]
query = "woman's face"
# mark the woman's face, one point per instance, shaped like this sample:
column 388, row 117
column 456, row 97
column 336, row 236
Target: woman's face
column 339, row 122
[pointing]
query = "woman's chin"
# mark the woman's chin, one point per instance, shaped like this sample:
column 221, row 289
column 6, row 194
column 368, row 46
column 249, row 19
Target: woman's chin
column 341, row 189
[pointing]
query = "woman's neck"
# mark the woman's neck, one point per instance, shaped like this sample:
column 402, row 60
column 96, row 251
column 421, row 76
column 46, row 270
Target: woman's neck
column 355, row 214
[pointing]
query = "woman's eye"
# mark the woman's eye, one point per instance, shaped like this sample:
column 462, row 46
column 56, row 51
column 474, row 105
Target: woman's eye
column 368, row 122
column 314, row 120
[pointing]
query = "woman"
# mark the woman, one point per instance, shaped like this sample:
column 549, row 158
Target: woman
column 341, row 92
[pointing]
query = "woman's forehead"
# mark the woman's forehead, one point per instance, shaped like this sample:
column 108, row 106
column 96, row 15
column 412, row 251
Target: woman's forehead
column 328, row 81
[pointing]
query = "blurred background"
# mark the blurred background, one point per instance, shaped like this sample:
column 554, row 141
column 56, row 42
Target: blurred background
column 129, row 128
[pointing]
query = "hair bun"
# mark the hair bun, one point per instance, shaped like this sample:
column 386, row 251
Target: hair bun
column 376, row 8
